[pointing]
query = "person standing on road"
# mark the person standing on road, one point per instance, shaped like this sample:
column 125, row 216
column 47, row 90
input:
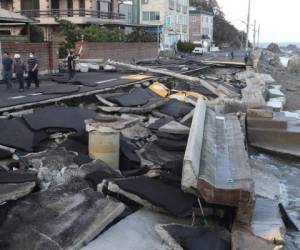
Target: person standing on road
column 32, row 71
column 246, row 58
column 19, row 69
column 71, row 65
column 7, row 64
column 232, row 55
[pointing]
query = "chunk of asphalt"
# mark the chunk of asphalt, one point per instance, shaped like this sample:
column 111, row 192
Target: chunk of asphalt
column 159, row 155
column 175, row 108
column 14, row 191
column 159, row 123
column 154, row 194
column 16, row 177
column 137, row 97
column 97, row 171
column 183, row 237
column 63, row 217
column 4, row 154
column 60, row 118
column 16, row 134
column 78, row 147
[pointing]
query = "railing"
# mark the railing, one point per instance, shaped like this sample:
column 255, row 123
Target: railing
column 10, row 38
column 71, row 13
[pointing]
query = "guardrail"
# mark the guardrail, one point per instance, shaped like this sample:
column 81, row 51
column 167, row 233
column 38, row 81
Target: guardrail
column 35, row 13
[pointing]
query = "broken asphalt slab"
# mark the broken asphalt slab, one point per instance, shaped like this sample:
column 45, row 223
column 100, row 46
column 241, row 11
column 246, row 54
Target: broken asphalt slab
column 137, row 97
column 16, row 134
column 181, row 237
column 15, row 191
column 153, row 194
column 63, row 217
column 59, row 118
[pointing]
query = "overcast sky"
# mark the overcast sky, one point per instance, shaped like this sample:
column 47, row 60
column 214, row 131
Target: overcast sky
column 278, row 19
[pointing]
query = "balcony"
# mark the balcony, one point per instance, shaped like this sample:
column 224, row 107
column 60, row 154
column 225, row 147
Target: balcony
column 71, row 13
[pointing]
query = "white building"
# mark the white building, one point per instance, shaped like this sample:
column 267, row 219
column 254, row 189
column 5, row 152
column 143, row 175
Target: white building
column 171, row 18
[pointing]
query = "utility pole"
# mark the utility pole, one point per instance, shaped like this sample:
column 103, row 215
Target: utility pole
column 248, row 25
column 254, row 36
column 258, row 35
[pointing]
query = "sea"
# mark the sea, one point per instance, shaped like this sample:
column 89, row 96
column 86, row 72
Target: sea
column 281, row 44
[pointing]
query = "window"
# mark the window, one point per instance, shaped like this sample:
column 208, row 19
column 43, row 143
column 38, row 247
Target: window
column 151, row 16
column 146, row 15
column 145, row 1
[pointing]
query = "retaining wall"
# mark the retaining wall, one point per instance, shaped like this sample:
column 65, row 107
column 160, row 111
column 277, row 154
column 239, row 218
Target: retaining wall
column 125, row 52
column 46, row 53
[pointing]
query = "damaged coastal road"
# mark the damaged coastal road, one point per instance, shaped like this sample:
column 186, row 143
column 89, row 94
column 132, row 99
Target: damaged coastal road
column 158, row 164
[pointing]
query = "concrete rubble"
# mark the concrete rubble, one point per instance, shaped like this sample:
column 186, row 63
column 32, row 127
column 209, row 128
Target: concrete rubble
column 157, row 157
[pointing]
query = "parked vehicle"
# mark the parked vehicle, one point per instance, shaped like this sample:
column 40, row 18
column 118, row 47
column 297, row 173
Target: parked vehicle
column 199, row 49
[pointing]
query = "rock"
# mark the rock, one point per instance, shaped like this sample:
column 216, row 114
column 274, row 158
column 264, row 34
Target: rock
column 294, row 65
column 62, row 217
column 273, row 47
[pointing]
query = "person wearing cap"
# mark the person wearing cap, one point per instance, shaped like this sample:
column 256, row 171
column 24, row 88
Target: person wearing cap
column 19, row 69
column 7, row 64
column 32, row 71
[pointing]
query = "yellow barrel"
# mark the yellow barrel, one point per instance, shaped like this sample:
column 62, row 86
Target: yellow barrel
column 105, row 147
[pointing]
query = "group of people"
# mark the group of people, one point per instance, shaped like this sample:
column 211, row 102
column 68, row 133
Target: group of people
column 20, row 68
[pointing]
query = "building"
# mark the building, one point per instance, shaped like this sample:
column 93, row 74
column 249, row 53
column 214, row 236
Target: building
column 201, row 26
column 13, row 26
column 168, row 17
column 102, row 12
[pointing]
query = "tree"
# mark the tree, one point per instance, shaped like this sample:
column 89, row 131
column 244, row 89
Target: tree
column 36, row 34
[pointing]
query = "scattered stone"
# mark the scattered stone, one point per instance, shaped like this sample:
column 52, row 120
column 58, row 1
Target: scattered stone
column 54, row 166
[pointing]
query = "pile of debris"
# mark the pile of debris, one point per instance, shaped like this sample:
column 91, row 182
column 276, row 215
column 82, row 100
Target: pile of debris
column 163, row 165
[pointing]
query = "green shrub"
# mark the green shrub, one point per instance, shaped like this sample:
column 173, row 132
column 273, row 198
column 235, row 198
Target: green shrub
column 185, row 47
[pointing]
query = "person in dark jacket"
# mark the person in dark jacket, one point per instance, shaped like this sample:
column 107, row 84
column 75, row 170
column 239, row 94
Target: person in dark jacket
column 19, row 69
column 32, row 71
column 7, row 64
column 71, row 64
